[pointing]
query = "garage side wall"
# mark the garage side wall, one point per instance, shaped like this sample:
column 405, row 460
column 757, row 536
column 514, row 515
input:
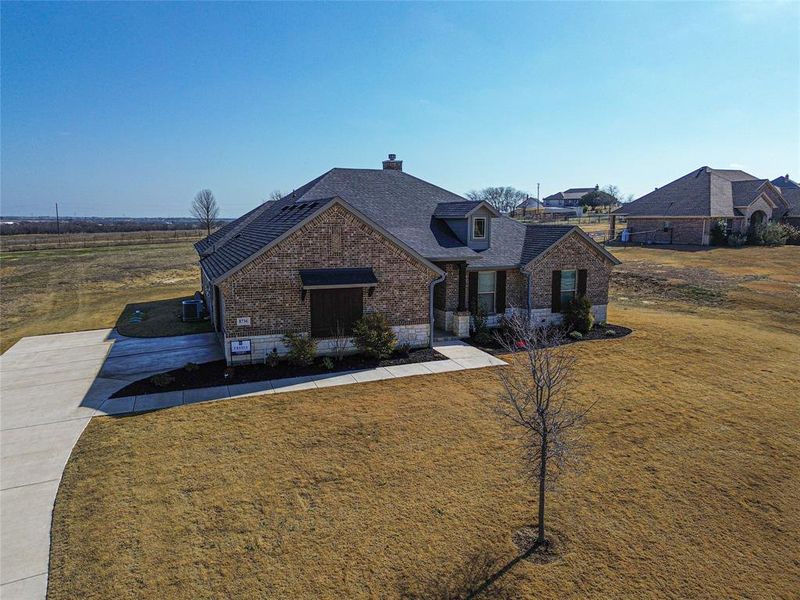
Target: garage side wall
column 268, row 290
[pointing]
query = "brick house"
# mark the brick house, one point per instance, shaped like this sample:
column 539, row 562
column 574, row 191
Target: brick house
column 354, row 241
column 791, row 193
column 685, row 210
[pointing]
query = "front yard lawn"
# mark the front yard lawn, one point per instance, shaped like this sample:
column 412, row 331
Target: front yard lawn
column 160, row 318
column 391, row 489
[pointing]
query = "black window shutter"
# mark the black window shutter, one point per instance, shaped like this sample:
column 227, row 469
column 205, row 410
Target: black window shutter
column 501, row 292
column 581, row 282
column 473, row 292
column 555, row 298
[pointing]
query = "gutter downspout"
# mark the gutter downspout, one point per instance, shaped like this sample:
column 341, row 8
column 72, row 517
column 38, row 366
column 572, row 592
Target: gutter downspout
column 528, row 296
column 439, row 279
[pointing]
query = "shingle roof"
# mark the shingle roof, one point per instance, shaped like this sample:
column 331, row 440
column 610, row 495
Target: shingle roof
column 785, row 183
column 259, row 230
column 744, row 192
column 792, row 197
column 529, row 203
column 455, row 210
column 703, row 192
column 539, row 238
column 570, row 194
column 405, row 206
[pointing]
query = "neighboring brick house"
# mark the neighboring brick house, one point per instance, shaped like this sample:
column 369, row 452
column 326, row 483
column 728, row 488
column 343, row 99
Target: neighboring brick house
column 791, row 193
column 354, row 241
column 685, row 210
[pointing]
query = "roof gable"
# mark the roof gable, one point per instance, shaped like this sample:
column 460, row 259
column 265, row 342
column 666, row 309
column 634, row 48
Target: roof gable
column 292, row 219
column 703, row 192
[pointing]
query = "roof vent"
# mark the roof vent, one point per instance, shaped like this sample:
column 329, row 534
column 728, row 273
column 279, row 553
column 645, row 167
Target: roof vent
column 393, row 164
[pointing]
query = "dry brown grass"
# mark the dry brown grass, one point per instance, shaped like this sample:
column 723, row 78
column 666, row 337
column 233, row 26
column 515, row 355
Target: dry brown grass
column 390, row 488
column 54, row 291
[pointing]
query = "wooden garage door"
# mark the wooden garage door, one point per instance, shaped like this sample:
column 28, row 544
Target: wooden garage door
column 329, row 308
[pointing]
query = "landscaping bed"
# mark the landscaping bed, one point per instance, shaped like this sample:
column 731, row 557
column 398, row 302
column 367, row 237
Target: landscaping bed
column 212, row 374
column 599, row 332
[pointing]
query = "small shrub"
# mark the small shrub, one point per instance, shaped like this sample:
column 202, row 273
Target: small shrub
column 794, row 235
column 302, row 349
column 191, row 367
column 768, row 234
column 403, row 350
column 578, row 315
column 162, row 380
column 718, row 235
column 576, row 335
column 327, row 362
column 737, row 240
column 480, row 330
column 373, row 337
column 272, row 359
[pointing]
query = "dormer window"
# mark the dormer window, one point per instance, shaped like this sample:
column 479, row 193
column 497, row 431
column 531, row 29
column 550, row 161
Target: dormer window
column 479, row 228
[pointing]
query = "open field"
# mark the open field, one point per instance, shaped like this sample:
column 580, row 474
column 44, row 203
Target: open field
column 43, row 241
column 53, row 291
column 388, row 489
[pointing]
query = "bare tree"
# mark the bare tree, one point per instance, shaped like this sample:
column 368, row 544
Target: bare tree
column 504, row 199
column 340, row 341
column 275, row 195
column 535, row 403
column 205, row 209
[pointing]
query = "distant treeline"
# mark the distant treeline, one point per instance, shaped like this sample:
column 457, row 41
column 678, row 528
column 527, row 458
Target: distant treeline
column 43, row 225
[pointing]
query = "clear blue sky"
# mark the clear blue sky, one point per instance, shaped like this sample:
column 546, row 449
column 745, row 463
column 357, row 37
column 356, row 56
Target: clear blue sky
column 129, row 109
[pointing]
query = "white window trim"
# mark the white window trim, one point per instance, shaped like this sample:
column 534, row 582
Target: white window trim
column 485, row 228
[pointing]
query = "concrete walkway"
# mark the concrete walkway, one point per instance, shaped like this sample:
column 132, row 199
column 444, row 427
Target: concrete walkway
column 52, row 385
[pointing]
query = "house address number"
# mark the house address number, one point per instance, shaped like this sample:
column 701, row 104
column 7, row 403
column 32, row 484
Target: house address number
column 242, row 321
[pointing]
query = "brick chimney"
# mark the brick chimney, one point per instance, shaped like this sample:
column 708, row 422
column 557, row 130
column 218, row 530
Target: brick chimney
column 393, row 164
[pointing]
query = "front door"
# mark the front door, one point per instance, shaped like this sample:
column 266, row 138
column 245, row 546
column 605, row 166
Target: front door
column 335, row 311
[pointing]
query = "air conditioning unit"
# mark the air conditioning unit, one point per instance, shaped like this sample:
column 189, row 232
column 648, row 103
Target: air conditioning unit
column 191, row 310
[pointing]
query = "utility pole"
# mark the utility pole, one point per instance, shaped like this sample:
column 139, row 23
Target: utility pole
column 538, row 197
column 58, row 227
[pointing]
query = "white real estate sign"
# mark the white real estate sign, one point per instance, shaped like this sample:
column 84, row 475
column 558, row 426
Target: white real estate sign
column 240, row 347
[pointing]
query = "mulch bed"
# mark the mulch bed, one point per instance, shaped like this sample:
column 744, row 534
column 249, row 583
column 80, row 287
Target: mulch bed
column 597, row 333
column 212, row 374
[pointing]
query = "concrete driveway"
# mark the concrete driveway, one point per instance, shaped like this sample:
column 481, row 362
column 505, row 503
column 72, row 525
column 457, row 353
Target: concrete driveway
column 50, row 386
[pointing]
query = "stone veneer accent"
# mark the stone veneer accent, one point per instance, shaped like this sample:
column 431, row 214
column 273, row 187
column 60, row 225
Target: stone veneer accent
column 571, row 253
column 268, row 289
column 417, row 336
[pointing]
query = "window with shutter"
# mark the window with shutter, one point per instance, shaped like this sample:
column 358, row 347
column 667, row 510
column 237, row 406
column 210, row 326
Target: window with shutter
column 487, row 287
column 569, row 286
column 334, row 310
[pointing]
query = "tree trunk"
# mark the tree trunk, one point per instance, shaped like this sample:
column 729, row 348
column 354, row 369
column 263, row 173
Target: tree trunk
column 542, row 479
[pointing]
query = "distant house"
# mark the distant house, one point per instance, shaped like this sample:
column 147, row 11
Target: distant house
column 527, row 208
column 354, row 241
column 791, row 193
column 570, row 198
column 685, row 210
